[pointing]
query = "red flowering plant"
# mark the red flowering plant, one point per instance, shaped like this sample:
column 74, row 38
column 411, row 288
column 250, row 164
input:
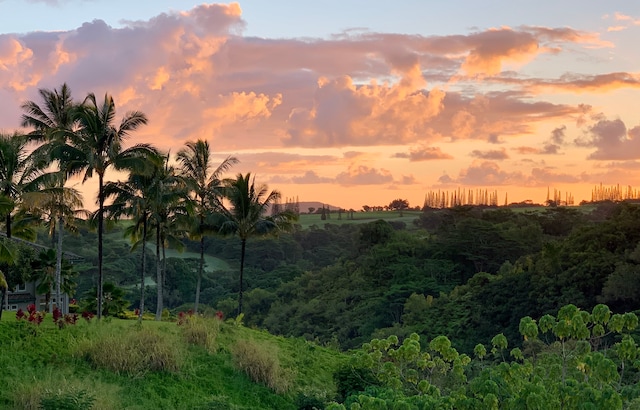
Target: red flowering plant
column 63, row 320
column 86, row 315
column 220, row 315
column 34, row 316
column 184, row 317
column 20, row 314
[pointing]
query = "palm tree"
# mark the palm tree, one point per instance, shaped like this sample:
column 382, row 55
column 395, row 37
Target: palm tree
column 168, row 208
column 97, row 146
column 44, row 274
column 58, row 206
column 53, row 123
column 246, row 216
column 132, row 198
column 204, row 182
column 18, row 174
column 7, row 254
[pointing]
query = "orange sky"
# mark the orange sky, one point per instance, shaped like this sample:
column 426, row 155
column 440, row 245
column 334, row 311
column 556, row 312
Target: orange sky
column 363, row 116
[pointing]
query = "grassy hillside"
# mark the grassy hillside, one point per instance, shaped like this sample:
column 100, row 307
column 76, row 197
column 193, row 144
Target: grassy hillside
column 307, row 220
column 119, row 364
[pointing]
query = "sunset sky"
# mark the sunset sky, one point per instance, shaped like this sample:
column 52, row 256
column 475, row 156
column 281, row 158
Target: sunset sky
column 355, row 102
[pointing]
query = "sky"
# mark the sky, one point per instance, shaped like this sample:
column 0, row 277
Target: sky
column 354, row 102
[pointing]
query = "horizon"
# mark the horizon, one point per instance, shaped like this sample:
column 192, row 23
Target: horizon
column 361, row 104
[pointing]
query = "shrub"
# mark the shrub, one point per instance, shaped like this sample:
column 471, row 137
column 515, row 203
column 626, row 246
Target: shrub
column 133, row 353
column 261, row 364
column 200, row 331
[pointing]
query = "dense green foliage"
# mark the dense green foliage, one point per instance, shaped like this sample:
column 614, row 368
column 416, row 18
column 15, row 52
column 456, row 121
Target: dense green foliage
column 467, row 273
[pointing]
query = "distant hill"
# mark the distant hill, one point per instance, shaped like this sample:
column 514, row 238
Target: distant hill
column 305, row 205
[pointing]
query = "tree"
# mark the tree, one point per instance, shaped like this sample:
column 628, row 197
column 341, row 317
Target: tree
column 53, row 123
column 114, row 301
column 399, row 205
column 246, row 215
column 7, row 254
column 18, row 173
column 44, row 274
column 97, row 146
column 132, row 198
column 58, row 206
column 204, row 183
column 168, row 211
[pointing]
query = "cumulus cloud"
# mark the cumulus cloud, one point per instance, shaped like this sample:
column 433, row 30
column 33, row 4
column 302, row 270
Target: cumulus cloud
column 612, row 140
column 310, row 177
column 491, row 154
column 422, row 153
column 196, row 76
column 363, row 175
column 485, row 173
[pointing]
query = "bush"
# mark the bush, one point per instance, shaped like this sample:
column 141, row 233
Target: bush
column 350, row 380
column 200, row 331
column 261, row 364
column 133, row 353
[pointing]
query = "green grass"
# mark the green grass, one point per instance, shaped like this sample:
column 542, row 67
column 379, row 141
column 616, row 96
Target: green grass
column 307, row 220
column 45, row 363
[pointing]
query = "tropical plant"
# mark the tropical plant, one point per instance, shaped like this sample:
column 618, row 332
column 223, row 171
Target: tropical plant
column 58, row 206
column 204, row 183
column 53, row 123
column 132, row 198
column 97, row 146
column 246, row 215
column 44, row 274
column 18, row 173
column 168, row 209
column 114, row 301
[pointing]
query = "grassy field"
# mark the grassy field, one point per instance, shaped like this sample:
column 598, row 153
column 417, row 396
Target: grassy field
column 308, row 220
column 119, row 364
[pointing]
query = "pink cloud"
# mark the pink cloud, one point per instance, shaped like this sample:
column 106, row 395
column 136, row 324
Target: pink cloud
column 363, row 175
column 485, row 173
column 423, row 153
column 491, row 154
column 612, row 140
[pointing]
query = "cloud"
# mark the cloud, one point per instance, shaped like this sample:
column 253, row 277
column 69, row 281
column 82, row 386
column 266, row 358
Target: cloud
column 612, row 140
column 546, row 176
column 423, row 153
column 491, row 154
column 310, row 177
column 196, row 76
column 485, row 173
column 363, row 175
column 526, row 150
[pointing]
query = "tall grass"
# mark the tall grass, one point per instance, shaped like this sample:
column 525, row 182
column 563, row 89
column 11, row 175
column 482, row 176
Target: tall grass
column 261, row 363
column 60, row 390
column 201, row 332
column 133, row 352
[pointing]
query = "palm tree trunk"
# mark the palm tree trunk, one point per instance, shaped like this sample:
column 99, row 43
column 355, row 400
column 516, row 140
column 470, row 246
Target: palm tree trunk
column 8, row 222
column 244, row 245
column 60, row 305
column 100, row 229
column 3, row 293
column 200, row 268
column 143, row 257
column 158, row 275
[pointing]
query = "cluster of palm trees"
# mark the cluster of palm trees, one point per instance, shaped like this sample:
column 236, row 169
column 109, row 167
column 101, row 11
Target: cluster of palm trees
column 166, row 201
